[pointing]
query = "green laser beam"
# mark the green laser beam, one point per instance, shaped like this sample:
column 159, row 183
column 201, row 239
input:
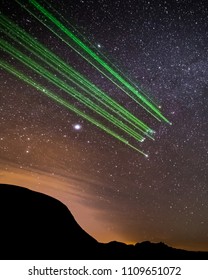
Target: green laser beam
column 95, row 56
column 145, row 103
column 64, row 103
column 29, row 43
column 80, row 81
column 89, row 61
column 102, row 54
column 69, row 90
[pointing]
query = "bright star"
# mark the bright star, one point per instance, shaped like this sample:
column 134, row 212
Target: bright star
column 77, row 126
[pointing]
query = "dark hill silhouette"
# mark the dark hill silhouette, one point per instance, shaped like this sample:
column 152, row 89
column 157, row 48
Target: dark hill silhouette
column 37, row 226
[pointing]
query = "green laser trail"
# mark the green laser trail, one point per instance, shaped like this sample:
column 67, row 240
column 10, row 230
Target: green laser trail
column 84, row 57
column 69, row 90
column 69, row 71
column 64, row 103
column 21, row 35
column 102, row 54
column 88, row 60
column 156, row 113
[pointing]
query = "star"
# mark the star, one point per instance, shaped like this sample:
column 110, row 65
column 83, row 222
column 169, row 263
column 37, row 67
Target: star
column 161, row 48
column 77, row 126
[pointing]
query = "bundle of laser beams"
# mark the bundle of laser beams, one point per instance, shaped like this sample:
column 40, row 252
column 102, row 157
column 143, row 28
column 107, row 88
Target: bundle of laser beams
column 118, row 115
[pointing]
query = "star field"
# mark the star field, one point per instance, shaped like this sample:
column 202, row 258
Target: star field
column 114, row 192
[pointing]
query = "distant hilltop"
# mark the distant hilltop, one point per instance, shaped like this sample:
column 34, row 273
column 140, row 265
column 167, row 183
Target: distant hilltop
column 37, row 226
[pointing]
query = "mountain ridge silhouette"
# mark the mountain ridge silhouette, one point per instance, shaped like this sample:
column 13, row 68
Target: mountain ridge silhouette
column 37, row 226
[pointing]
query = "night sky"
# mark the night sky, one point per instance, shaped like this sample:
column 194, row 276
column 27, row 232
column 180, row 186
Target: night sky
column 114, row 192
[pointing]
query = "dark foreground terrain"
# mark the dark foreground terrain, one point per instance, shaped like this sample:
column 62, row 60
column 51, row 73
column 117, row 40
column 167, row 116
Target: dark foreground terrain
column 37, row 226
